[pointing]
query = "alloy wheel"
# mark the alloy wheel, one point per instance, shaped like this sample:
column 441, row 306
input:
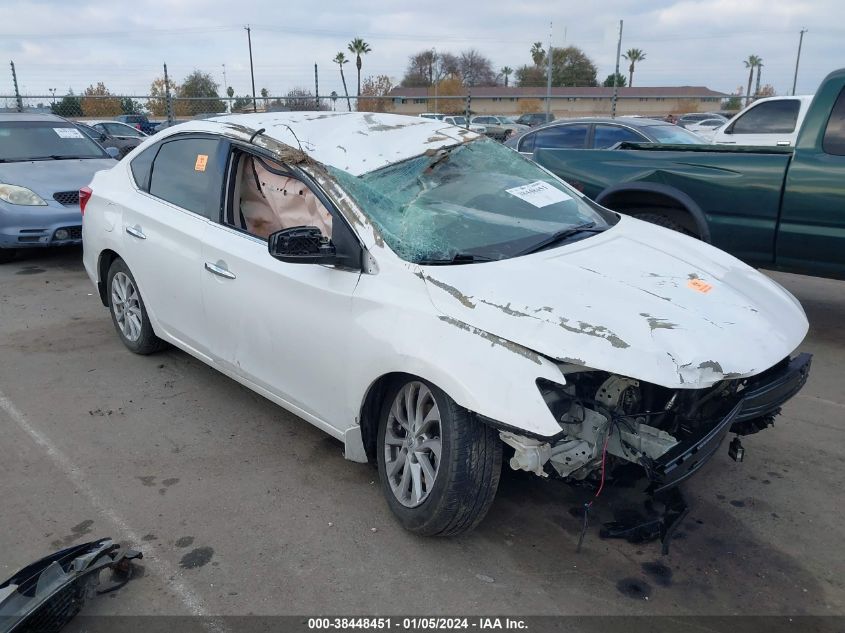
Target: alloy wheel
column 126, row 305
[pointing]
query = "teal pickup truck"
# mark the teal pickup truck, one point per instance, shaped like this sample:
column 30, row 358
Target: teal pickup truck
column 773, row 207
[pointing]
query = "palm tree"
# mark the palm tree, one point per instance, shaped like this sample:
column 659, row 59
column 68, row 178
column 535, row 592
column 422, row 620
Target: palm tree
column 757, row 85
column 537, row 53
column 359, row 47
column 751, row 63
column 340, row 60
column 633, row 55
column 506, row 72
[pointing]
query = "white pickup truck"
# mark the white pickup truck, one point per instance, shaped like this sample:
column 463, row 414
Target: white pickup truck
column 770, row 121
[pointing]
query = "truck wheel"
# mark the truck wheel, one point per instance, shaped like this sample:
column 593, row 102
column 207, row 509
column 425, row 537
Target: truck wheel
column 128, row 312
column 6, row 255
column 660, row 219
column 439, row 467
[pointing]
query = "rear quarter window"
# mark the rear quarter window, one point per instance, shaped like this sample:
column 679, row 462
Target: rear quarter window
column 834, row 134
column 142, row 165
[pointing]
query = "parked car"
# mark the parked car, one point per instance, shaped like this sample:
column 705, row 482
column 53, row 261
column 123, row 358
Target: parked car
column 461, row 121
column 44, row 161
column 432, row 115
column 532, row 119
column 599, row 133
column 771, row 121
column 118, row 129
column 508, row 126
column 138, row 121
column 773, row 207
column 688, row 119
column 123, row 144
column 465, row 299
column 163, row 125
column 706, row 128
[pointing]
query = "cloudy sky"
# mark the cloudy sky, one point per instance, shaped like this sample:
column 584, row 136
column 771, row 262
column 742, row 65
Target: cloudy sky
column 65, row 44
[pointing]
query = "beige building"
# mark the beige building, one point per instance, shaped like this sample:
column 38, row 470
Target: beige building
column 654, row 101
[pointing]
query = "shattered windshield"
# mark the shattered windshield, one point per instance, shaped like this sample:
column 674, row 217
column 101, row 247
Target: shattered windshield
column 478, row 201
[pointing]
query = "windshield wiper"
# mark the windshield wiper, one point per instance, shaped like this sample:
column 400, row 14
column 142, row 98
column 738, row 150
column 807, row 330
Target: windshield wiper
column 561, row 235
column 458, row 258
column 57, row 157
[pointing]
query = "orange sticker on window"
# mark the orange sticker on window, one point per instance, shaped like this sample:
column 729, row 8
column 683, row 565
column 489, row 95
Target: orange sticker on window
column 699, row 285
column 202, row 161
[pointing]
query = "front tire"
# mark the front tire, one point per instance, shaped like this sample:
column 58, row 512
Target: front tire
column 438, row 466
column 128, row 312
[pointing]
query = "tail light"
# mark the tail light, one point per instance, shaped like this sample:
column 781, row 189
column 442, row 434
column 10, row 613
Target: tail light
column 84, row 196
column 138, row 126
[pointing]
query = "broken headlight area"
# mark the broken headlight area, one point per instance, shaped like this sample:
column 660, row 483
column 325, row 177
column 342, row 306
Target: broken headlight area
column 47, row 594
column 608, row 421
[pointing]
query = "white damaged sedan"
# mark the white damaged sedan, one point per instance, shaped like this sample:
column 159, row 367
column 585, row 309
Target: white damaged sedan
column 433, row 299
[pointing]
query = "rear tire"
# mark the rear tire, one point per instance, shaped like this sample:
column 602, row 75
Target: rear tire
column 661, row 219
column 7, row 255
column 128, row 312
column 438, row 466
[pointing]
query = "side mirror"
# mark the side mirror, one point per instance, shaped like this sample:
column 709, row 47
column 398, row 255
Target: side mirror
column 113, row 152
column 302, row 245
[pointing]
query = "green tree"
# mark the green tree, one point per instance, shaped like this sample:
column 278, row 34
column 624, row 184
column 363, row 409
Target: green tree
column 530, row 76
column 633, row 55
column 538, row 54
column 620, row 80
column 242, row 104
column 572, row 67
column 506, row 72
column 751, row 63
column 130, row 106
column 201, row 89
column 340, row 60
column 359, row 47
column 70, row 105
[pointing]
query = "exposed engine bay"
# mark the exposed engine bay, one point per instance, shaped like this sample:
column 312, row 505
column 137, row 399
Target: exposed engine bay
column 608, row 420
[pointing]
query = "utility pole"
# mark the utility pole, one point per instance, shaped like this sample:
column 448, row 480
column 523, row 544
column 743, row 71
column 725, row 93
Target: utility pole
column 316, row 86
column 616, row 74
column 549, row 77
column 18, row 99
column 168, row 103
column 251, row 72
column 797, row 60
column 225, row 88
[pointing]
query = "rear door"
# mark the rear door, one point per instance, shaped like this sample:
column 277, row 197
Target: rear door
column 811, row 234
column 164, row 226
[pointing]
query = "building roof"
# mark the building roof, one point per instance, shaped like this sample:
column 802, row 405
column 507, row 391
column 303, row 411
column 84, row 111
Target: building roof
column 675, row 92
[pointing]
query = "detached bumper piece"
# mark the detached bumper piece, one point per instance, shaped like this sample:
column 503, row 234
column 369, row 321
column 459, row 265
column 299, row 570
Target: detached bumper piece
column 47, row 594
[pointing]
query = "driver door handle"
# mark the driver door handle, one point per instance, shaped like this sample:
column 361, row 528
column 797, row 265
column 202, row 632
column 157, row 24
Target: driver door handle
column 136, row 232
column 219, row 271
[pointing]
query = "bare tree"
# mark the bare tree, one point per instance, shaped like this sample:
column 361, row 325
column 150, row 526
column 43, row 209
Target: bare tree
column 475, row 69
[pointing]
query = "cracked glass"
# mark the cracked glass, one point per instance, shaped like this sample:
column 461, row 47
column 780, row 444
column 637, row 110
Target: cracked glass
column 477, row 201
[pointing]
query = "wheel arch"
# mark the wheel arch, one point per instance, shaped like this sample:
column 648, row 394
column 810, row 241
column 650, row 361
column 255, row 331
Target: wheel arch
column 629, row 196
column 104, row 262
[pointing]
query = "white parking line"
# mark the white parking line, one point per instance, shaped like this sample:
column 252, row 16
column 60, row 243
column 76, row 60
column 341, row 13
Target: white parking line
column 159, row 566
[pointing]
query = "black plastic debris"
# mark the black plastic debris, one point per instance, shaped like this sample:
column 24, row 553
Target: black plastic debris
column 45, row 595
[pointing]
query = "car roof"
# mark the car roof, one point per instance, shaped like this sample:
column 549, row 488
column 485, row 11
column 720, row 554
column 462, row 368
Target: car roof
column 30, row 116
column 356, row 142
column 627, row 121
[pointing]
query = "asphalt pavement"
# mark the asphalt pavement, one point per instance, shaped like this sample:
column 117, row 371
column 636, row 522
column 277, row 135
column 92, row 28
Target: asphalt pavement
column 242, row 508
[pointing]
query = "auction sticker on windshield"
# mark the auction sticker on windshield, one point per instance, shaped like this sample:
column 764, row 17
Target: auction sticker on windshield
column 68, row 132
column 539, row 193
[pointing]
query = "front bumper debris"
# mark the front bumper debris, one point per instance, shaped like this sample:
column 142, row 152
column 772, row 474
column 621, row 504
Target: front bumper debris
column 48, row 593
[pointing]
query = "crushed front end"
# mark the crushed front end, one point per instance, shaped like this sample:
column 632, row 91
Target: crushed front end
column 609, row 422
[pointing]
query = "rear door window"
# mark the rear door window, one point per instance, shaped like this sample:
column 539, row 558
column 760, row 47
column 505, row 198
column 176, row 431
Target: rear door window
column 186, row 172
column 609, row 135
column 834, row 134
column 769, row 117
column 562, row 137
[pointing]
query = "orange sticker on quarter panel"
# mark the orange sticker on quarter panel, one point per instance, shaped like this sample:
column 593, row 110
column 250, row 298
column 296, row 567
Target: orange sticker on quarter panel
column 202, row 161
column 699, row 285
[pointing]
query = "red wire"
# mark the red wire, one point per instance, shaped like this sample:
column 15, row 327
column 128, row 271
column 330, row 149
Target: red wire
column 603, row 461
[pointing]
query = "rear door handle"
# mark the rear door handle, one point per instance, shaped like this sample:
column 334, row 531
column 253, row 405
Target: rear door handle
column 136, row 232
column 219, row 270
